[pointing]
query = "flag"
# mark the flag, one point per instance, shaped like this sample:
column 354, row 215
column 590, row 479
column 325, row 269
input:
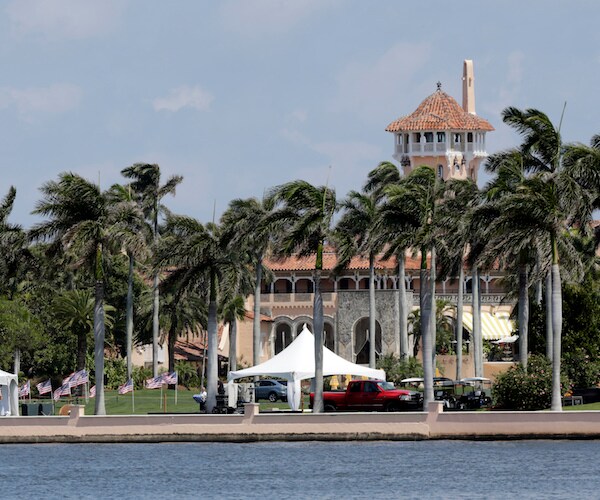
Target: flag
column 67, row 379
column 154, row 383
column 78, row 378
column 24, row 390
column 170, row 378
column 93, row 392
column 126, row 387
column 63, row 390
column 44, row 387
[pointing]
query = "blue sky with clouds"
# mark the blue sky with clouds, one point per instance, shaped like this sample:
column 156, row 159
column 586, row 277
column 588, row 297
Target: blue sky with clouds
column 240, row 95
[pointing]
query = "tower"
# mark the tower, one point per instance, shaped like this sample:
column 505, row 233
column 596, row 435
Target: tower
column 443, row 135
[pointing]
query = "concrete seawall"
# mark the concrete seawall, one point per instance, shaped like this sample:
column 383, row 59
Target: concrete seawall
column 252, row 426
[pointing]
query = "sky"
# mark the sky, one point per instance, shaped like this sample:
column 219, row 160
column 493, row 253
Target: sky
column 238, row 96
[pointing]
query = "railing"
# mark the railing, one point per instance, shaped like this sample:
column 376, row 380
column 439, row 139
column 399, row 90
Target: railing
column 303, row 298
column 486, row 298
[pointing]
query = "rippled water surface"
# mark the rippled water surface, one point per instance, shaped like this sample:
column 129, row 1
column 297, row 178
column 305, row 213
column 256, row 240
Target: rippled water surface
column 428, row 469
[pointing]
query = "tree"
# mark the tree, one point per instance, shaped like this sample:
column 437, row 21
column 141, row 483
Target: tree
column 19, row 331
column 251, row 224
column 231, row 311
column 148, row 192
column 546, row 206
column 306, row 212
column 74, row 310
column 414, row 201
column 200, row 262
column 79, row 221
column 356, row 234
column 133, row 232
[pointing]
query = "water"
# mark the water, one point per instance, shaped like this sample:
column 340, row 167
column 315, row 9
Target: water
column 428, row 469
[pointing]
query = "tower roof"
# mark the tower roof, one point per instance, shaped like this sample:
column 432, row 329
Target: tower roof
column 439, row 111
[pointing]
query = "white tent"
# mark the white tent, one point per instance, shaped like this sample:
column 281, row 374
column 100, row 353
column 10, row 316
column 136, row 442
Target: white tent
column 297, row 362
column 9, row 394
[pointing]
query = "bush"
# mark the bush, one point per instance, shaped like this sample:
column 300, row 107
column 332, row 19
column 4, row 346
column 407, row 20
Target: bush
column 531, row 390
column 115, row 370
column 140, row 374
column 582, row 370
column 396, row 370
column 187, row 374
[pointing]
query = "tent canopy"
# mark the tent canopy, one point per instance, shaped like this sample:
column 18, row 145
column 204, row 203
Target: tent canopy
column 9, row 389
column 297, row 362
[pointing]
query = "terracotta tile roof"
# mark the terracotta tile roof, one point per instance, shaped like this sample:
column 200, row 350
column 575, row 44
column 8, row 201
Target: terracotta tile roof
column 250, row 316
column 439, row 111
column 297, row 263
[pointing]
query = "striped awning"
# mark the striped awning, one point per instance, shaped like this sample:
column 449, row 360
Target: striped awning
column 493, row 326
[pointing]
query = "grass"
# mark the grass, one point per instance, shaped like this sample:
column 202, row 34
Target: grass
column 149, row 401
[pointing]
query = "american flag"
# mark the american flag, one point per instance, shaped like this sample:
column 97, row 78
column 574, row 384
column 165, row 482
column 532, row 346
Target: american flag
column 154, row 383
column 78, row 378
column 126, row 387
column 170, row 378
column 24, row 390
column 63, row 390
column 44, row 387
column 93, row 392
column 67, row 379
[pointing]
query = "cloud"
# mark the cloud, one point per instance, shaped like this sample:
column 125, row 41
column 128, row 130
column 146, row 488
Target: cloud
column 259, row 17
column 184, row 97
column 368, row 88
column 58, row 19
column 57, row 98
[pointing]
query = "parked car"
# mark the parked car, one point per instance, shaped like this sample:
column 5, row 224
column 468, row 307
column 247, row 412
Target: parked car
column 270, row 389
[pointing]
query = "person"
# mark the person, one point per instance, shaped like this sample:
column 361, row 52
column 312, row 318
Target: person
column 220, row 388
column 201, row 398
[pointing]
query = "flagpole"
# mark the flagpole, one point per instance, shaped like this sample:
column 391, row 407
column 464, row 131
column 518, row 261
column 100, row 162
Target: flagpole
column 132, row 399
column 176, row 380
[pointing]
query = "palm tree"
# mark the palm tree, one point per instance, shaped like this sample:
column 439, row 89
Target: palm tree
column 74, row 310
column 200, row 261
column 231, row 311
column 134, row 234
column 414, row 200
column 79, row 221
column 148, row 191
column 250, row 224
column 356, row 234
column 545, row 206
column 460, row 198
column 307, row 211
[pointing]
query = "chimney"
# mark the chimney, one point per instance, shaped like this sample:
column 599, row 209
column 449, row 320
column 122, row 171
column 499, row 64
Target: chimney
column 468, row 87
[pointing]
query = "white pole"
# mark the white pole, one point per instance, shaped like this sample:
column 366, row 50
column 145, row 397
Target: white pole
column 132, row 399
column 176, row 383
column 161, row 399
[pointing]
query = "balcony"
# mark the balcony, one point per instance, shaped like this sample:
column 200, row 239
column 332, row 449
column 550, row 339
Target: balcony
column 307, row 299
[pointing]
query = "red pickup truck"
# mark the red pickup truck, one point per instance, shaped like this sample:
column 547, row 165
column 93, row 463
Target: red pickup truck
column 370, row 395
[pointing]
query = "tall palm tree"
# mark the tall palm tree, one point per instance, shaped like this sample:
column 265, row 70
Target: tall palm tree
column 459, row 200
column 200, row 261
column 250, row 224
column 148, row 191
column 546, row 205
column 415, row 199
column 356, row 234
column 132, row 230
column 307, row 212
column 79, row 219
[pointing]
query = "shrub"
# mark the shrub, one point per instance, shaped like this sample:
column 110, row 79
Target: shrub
column 396, row 370
column 140, row 374
column 115, row 371
column 531, row 390
column 583, row 371
column 187, row 374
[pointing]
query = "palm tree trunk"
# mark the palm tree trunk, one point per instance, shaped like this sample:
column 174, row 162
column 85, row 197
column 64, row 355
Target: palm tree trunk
column 129, row 316
column 433, row 312
column 212, row 375
column 459, row 321
column 404, row 351
column 318, row 333
column 172, row 338
column 81, row 349
column 523, row 313
column 372, row 312
column 17, row 361
column 477, row 335
column 99, row 408
column 233, row 345
column 549, row 333
column 556, row 329
column 256, row 324
column 425, row 305
column 155, row 306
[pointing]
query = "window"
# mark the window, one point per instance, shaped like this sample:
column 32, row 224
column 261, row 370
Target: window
column 440, row 171
column 470, row 137
column 441, row 136
column 355, row 387
column 428, row 136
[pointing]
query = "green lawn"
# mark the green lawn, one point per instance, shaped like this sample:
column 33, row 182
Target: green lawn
column 149, row 401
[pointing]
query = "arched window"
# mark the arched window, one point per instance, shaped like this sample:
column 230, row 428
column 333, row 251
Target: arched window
column 440, row 171
column 283, row 337
column 362, row 339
